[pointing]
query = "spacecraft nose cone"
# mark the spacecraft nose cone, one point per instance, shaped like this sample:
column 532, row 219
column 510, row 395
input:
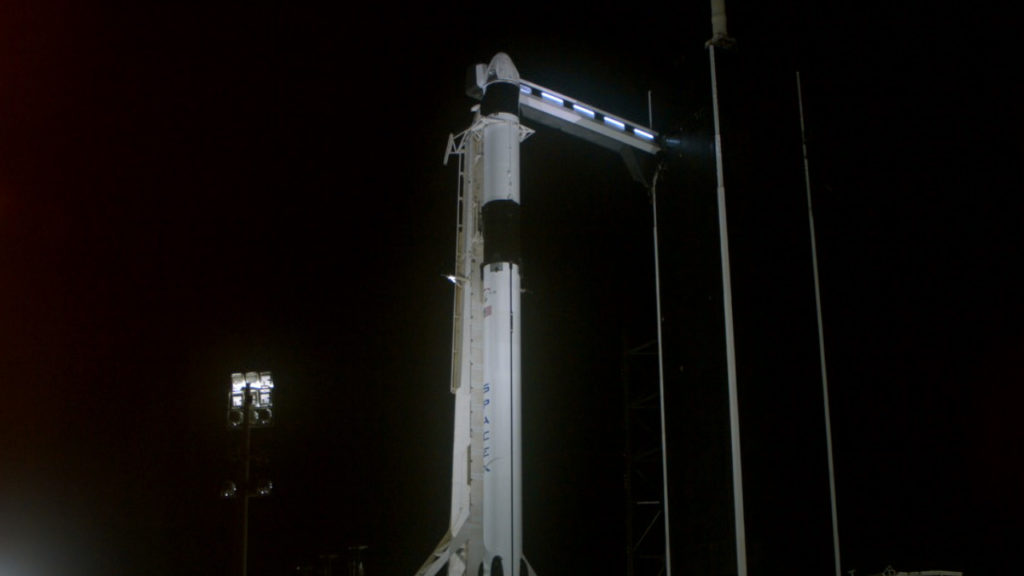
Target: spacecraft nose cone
column 501, row 69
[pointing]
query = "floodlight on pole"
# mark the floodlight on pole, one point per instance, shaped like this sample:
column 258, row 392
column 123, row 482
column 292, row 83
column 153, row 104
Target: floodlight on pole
column 250, row 405
column 259, row 407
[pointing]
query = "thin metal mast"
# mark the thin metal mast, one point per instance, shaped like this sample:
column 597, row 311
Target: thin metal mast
column 821, row 330
column 661, row 361
column 720, row 37
column 661, row 374
column 247, row 459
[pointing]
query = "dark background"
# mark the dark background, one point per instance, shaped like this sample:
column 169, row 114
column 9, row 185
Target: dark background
column 191, row 191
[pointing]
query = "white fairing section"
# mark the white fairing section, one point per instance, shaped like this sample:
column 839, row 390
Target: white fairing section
column 501, row 158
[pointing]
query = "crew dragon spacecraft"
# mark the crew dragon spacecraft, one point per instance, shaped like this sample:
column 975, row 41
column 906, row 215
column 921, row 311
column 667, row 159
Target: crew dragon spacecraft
column 485, row 530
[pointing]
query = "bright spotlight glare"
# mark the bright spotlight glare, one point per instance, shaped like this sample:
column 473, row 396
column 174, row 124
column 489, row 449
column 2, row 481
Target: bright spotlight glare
column 265, row 488
column 260, row 386
column 263, row 389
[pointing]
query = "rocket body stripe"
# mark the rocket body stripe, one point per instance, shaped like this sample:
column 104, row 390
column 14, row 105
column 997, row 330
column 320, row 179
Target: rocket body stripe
column 501, row 221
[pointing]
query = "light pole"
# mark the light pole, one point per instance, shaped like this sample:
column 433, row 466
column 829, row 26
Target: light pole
column 355, row 560
column 720, row 39
column 250, row 405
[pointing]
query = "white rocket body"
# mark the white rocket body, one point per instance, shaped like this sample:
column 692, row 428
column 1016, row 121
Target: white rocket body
column 485, row 534
column 502, row 437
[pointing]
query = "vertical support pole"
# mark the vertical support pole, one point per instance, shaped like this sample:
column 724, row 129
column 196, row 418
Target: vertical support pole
column 247, row 425
column 661, row 376
column 650, row 111
column 730, row 346
column 821, row 330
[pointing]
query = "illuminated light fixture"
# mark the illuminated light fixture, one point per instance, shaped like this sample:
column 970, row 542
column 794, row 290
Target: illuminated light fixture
column 552, row 98
column 525, row 89
column 264, row 488
column 258, row 410
column 229, row 490
column 262, row 416
column 641, row 134
column 584, row 111
column 250, row 405
column 614, row 123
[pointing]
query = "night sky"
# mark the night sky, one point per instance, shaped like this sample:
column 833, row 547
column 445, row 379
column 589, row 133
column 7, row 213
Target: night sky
column 191, row 191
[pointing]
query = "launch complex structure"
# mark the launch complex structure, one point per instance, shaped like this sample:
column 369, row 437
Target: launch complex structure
column 485, row 530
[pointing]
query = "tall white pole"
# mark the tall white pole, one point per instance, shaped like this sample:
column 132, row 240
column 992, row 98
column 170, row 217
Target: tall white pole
column 720, row 37
column 821, row 331
column 661, row 374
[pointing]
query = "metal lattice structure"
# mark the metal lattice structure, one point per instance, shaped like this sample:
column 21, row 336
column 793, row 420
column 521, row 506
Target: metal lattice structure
column 643, row 478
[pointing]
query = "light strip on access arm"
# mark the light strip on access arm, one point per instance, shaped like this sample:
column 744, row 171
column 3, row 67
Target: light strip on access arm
column 643, row 134
column 584, row 111
column 615, row 123
column 552, row 98
column 561, row 112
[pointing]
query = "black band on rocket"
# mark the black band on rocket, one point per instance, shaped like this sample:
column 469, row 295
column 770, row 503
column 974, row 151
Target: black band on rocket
column 501, row 231
column 500, row 97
